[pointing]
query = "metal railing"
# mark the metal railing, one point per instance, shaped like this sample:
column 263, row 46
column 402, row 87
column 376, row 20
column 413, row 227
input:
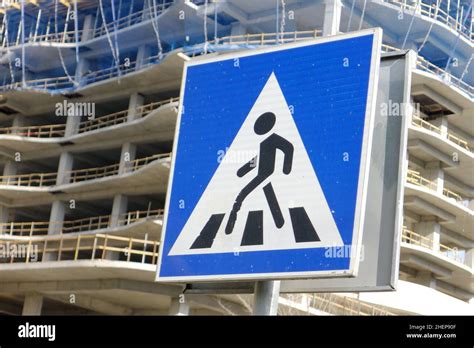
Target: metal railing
column 34, row 228
column 420, row 123
column 414, row 177
column 411, row 237
column 134, row 18
column 49, row 179
column 437, row 13
column 46, row 131
column 427, row 66
column 248, row 39
column 29, row 180
column 58, row 130
column 121, row 116
column 448, row 78
column 267, row 38
column 80, row 247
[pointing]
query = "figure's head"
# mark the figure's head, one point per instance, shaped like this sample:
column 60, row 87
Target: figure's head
column 264, row 123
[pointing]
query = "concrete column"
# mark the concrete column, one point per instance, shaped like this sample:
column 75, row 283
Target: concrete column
column 81, row 71
column 142, row 54
column 425, row 278
column 56, row 217
column 332, row 17
column 4, row 215
column 33, row 304
column 119, row 208
column 434, row 173
column 127, row 155
column 442, row 123
column 10, row 168
column 136, row 100
column 72, row 125
column 469, row 258
column 430, row 229
column 66, row 162
column 179, row 306
column 18, row 121
column 88, row 28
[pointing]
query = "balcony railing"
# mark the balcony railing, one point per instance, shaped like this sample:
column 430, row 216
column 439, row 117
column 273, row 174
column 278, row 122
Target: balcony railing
column 121, row 116
column 29, row 180
column 419, row 122
column 70, row 36
column 411, row 237
column 35, row 228
column 437, row 13
column 134, row 18
column 267, row 38
column 414, row 177
column 65, row 82
column 427, row 66
column 58, row 130
column 80, row 247
column 47, row 131
column 49, row 179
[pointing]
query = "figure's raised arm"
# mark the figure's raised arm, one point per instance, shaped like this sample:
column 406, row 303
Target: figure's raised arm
column 247, row 167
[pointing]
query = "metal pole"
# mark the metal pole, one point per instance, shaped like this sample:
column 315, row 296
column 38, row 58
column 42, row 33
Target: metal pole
column 266, row 297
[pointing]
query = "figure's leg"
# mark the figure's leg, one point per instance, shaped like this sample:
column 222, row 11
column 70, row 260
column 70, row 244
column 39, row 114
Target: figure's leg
column 273, row 204
column 252, row 185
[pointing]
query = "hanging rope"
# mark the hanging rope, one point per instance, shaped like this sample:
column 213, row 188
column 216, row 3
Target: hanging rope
column 205, row 27
column 109, row 40
column 350, row 17
column 283, row 20
column 23, row 79
column 438, row 3
column 457, row 38
column 117, row 52
column 61, row 58
column 362, row 15
column 411, row 24
column 467, row 66
column 12, row 73
column 76, row 31
column 156, row 29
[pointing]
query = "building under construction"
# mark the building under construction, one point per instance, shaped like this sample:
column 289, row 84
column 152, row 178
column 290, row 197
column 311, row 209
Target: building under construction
column 88, row 106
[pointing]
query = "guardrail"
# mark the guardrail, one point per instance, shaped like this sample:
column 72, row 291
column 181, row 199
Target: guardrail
column 411, row 237
column 35, row 228
column 435, row 12
column 29, row 180
column 448, row 78
column 427, row 66
column 420, row 123
column 58, row 130
column 267, row 38
column 81, row 247
column 47, row 131
column 137, row 17
column 70, row 36
column 414, row 177
column 247, row 39
column 49, row 179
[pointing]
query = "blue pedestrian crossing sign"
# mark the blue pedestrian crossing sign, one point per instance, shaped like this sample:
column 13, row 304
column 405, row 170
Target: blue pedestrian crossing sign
column 269, row 169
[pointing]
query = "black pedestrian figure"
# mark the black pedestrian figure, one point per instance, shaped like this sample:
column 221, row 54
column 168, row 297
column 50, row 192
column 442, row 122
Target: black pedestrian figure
column 266, row 167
